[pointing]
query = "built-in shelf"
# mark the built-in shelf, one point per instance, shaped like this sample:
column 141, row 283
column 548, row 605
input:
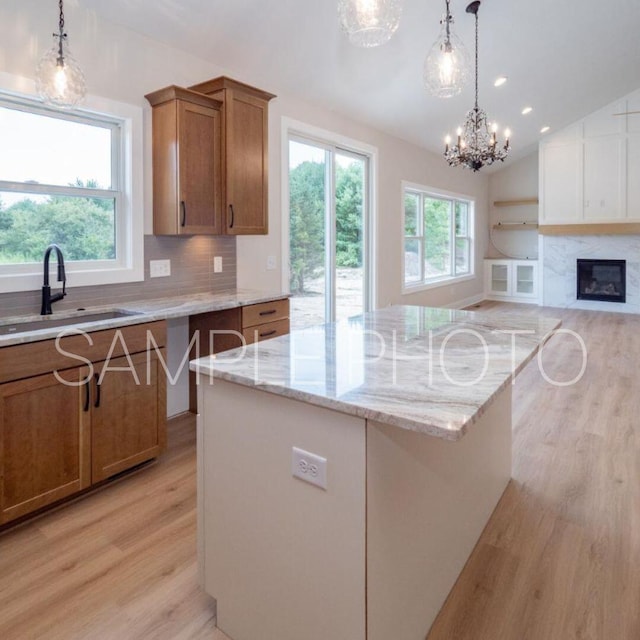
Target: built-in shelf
column 515, row 226
column 516, row 203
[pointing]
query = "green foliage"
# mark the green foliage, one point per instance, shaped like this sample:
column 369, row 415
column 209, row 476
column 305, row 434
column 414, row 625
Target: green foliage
column 84, row 228
column 307, row 220
column 349, row 202
column 437, row 229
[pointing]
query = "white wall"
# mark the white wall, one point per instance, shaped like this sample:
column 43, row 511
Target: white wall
column 124, row 65
column 515, row 182
column 397, row 161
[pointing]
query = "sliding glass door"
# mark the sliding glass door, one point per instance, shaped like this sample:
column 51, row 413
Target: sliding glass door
column 329, row 230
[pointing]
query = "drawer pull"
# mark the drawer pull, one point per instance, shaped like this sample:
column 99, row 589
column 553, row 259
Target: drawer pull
column 97, row 379
column 86, row 395
column 268, row 333
column 183, row 213
column 268, row 313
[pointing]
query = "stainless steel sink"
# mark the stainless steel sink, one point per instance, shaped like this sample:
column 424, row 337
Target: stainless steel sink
column 48, row 322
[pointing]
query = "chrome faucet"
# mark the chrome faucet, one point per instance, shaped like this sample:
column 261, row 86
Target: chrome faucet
column 47, row 298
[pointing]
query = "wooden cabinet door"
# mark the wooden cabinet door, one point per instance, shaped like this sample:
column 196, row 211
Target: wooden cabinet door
column 199, row 166
column 246, row 157
column 128, row 422
column 214, row 332
column 44, row 441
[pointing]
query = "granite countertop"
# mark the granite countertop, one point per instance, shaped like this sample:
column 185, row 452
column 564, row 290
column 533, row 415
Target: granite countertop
column 134, row 313
column 429, row 370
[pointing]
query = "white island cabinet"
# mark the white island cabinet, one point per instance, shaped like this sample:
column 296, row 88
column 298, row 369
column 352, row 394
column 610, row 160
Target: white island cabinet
column 408, row 413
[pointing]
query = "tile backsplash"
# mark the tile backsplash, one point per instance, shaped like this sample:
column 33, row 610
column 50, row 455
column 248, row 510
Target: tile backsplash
column 191, row 272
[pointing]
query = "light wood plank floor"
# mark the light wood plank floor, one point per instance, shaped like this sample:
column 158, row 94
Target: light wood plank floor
column 559, row 559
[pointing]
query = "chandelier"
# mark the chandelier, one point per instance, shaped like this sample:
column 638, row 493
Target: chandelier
column 447, row 66
column 59, row 78
column 476, row 146
column 369, row 23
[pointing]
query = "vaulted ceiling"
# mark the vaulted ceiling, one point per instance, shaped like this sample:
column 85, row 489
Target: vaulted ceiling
column 565, row 58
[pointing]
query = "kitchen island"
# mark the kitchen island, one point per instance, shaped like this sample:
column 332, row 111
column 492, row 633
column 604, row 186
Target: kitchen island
column 408, row 412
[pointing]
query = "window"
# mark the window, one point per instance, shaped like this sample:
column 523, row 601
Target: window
column 66, row 178
column 438, row 237
column 329, row 236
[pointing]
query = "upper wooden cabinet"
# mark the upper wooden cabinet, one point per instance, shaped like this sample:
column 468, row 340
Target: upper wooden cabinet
column 245, row 124
column 187, row 162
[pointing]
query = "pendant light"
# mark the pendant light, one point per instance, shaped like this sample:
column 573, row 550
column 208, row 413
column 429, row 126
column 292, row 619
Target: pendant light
column 447, row 67
column 475, row 146
column 59, row 79
column 369, row 23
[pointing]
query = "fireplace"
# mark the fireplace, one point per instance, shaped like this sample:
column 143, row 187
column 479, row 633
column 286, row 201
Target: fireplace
column 602, row 280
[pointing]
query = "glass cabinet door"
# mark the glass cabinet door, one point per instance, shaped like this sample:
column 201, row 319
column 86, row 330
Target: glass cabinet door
column 525, row 279
column 500, row 278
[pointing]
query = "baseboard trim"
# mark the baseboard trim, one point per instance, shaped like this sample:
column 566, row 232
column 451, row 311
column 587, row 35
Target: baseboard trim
column 466, row 302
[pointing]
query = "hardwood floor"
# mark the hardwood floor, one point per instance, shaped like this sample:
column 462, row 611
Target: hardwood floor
column 117, row 564
column 559, row 559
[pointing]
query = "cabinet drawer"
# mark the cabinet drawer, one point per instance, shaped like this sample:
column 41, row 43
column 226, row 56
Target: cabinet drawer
column 266, row 331
column 255, row 314
column 35, row 358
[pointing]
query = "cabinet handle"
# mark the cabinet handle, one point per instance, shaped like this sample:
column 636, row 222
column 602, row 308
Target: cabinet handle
column 233, row 215
column 268, row 333
column 183, row 213
column 97, row 379
column 267, row 313
column 87, row 395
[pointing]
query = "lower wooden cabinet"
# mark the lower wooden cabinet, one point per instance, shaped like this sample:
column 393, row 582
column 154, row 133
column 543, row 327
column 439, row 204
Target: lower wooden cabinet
column 218, row 331
column 44, row 442
column 127, row 414
column 62, row 432
column 265, row 320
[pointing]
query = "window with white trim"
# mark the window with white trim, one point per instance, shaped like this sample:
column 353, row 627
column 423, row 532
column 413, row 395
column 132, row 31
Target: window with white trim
column 63, row 180
column 438, row 237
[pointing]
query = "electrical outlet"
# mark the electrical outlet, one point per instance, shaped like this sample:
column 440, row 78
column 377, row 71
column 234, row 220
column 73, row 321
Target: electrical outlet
column 217, row 264
column 159, row 268
column 271, row 263
column 309, row 467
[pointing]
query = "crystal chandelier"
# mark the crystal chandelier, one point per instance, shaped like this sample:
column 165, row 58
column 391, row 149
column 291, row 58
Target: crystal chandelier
column 447, row 66
column 59, row 78
column 369, row 23
column 476, row 146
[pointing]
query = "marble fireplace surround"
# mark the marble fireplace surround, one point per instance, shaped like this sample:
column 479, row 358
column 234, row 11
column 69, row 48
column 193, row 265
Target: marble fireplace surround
column 559, row 255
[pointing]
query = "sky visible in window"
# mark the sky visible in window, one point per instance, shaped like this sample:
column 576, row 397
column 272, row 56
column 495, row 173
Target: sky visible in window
column 48, row 150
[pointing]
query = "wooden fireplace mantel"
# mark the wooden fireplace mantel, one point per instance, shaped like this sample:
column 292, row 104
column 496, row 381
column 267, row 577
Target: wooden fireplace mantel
column 590, row 229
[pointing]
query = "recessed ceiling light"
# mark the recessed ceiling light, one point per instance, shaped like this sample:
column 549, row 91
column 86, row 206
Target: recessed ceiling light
column 500, row 81
column 527, row 110
column 544, row 129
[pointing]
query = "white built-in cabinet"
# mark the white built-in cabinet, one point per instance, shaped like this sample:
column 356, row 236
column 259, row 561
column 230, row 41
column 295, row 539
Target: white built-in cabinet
column 514, row 280
column 589, row 171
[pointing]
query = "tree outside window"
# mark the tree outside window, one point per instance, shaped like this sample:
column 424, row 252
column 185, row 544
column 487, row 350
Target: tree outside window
column 437, row 238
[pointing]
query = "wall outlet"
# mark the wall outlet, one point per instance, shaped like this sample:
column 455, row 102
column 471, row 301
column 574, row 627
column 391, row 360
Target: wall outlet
column 271, row 263
column 159, row 268
column 309, row 467
column 217, row 264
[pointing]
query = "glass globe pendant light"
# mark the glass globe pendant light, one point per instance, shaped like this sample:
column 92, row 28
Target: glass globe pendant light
column 447, row 67
column 59, row 78
column 369, row 23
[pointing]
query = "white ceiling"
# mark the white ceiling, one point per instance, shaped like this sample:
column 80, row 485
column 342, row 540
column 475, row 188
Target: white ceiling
column 565, row 58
